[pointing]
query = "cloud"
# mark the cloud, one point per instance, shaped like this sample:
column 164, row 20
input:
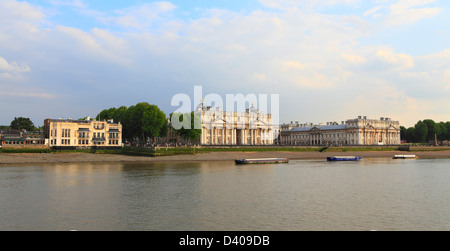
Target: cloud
column 27, row 95
column 72, row 3
column 20, row 15
column 13, row 66
column 286, row 4
column 388, row 57
column 139, row 16
column 147, row 53
column 293, row 64
column 354, row 59
column 403, row 12
column 373, row 12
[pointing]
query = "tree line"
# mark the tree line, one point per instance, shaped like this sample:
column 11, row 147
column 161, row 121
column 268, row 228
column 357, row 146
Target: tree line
column 21, row 123
column 425, row 131
column 140, row 121
column 143, row 121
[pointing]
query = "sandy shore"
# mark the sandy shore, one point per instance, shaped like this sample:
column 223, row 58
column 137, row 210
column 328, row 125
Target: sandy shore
column 29, row 158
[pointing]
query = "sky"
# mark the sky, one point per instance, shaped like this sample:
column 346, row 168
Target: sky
column 329, row 60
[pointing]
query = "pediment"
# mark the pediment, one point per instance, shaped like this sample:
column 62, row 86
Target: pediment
column 220, row 121
column 391, row 127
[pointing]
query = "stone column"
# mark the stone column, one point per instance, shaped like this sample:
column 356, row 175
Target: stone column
column 223, row 136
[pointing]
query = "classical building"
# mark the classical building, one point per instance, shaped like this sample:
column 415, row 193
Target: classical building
column 68, row 133
column 353, row 132
column 222, row 128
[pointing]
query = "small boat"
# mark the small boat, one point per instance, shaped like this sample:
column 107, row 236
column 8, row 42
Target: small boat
column 344, row 158
column 262, row 161
column 406, row 157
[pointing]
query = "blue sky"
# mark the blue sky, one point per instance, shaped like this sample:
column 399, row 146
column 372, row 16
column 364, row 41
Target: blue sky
column 330, row 60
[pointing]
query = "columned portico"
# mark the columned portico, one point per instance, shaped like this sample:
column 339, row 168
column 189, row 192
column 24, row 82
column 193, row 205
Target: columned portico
column 235, row 128
column 353, row 132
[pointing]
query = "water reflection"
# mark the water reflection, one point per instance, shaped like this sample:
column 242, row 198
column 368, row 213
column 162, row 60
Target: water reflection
column 382, row 194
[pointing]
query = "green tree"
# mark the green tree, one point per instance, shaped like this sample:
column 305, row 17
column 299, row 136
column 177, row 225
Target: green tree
column 440, row 130
column 22, row 123
column 410, row 135
column 154, row 122
column 139, row 121
column 403, row 133
column 447, row 131
column 420, row 132
column 193, row 123
column 431, row 125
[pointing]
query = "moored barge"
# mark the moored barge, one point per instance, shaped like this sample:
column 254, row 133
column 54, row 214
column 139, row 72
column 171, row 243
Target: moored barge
column 406, row 157
column 344, row 158
column 262, row 161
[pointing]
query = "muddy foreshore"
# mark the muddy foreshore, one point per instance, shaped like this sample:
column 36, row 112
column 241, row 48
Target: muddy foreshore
column 31, row 158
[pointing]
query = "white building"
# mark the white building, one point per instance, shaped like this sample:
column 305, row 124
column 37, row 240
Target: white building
column 251, row 127
column 353, row 132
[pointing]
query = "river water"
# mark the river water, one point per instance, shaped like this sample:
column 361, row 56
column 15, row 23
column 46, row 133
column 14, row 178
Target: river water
column 374, row 194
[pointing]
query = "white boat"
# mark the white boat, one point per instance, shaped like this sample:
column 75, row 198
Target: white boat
column 406, row 157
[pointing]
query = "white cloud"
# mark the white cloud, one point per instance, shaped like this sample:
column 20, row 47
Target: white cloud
column 286, row 4
column 72, row 3
column 140, row 16
column 293, row 64
column 387, row 56
column 261, row 77
column 373, row 12
column 353, row 58
column 13, row 66
column 403, row 12
column 27, row 95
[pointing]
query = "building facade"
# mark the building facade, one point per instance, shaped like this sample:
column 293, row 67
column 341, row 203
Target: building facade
column 221, row 128
column 84, row 134
column 21, row 138
column 353, row 132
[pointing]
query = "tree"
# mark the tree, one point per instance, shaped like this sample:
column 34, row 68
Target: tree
column 403, row 133
column 193, row 120
column 440, row 130
column 410, row 134
column 22, row 123
column 420, row 132
column 431, row 125
column 154, row 121
column 138, row 121
column 447, row 131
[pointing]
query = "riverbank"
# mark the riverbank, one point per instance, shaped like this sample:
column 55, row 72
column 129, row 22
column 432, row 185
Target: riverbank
column 31, row 158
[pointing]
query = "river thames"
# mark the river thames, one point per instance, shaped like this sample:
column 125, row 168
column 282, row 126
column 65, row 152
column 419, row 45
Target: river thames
column 373, row 194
